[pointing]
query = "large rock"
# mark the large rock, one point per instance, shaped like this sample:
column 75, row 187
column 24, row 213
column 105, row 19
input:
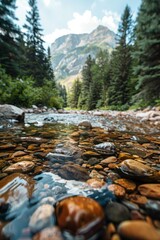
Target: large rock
column 11, row 112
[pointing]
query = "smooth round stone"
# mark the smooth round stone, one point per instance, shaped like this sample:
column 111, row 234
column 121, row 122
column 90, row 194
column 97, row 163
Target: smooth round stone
column 96, row 175
column 150, row 190
column 117, row 190
column 139, row 230
column 106, row 148
column 92, row 161
column 136, row 168
column 18, row 154
column 138, row 199
column 129, row 185
column 23, row 166
column 116, row 212
column 23, row 158
column 85, row 125
column 41, row 218
column 52, row 233
column 95, row 183
column 81, row 216
column 89, row 154
column 108, row 160
column 124, row 156
column 73, row 172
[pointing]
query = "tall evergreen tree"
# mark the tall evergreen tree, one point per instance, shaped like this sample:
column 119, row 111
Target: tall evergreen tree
column 9, row 32
column 86, row 82
column 119, row 92
column 38, row 64
column 147, row 50
column 75, row 94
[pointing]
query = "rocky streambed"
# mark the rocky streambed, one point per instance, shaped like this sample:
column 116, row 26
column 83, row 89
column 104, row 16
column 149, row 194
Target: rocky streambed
column 78, row 176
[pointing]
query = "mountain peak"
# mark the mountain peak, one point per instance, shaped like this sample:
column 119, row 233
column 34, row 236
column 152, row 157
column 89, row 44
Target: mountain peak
column 70, row 52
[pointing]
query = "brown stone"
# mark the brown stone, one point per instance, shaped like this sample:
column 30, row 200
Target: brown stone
column 127, row 184
column 95, row 183
column 124, row 156
column 117, row 190
column 18, row 154
column 150, row 190
column 95, row 174
column 141, row 200
column 108, row 160
column 24, row 166
column 80, row 215
column 139, row 230
column 73, row 172
column 52, row 233
column 89, row 154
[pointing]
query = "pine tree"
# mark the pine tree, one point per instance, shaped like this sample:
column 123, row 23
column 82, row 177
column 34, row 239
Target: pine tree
column 38, row 64
column 9, row 32
column 147, row 50
column 75, row 94
column 119, row 92
column 86, row 82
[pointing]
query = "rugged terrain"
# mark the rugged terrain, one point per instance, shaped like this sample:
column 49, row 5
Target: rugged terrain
column 69, row 52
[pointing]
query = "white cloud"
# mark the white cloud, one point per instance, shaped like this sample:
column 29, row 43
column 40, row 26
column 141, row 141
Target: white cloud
column 53, row 2
column 85, row 23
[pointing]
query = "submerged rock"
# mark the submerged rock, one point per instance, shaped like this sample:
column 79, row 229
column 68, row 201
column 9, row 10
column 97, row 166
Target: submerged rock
column 85, row 125
column 81, row 216
column 150, row 190
column 139, row 230
column 73, row 171
column 41, row 218
column 49, row 233
column 106, row 148
column 22, row 167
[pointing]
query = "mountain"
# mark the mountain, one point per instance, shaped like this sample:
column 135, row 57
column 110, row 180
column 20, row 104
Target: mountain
column 69, row 52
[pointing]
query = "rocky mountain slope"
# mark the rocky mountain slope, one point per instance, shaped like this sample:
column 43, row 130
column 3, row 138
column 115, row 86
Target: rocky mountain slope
column 69, row 52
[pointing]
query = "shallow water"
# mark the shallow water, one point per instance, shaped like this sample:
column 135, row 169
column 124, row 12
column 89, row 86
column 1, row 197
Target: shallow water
column 23, row 188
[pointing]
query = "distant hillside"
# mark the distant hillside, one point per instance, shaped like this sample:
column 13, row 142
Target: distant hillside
column 69, row 52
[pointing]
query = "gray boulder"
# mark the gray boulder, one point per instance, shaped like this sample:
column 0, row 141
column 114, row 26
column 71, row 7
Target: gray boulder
column 11, row 112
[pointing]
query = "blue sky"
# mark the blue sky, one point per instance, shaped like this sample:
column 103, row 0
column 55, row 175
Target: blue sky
column 60, row 17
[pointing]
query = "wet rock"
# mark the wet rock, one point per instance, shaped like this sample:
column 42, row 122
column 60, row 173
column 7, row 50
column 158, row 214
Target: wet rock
column 138, row 199
column 22, row 167
column 136, row 169
column 139, row 230
column 73, row 172
column 108, row 160
column 152, row 207
column 18, row 154
column 11, row 112
column 59, row 158
column 7, row 146
column 85, row 125
column 150, row 190
column 15, row 190
column 23, row 158
column 41, row 218
column 117, row 190
column 95, row 183
column 129, row 185
column 96, row 175
column 3, row 163
column 80, row 216
column 52, row 233
column 116, row 212
column 90, row 154
column 92, row 161
column 124, row 156
column 106, row 148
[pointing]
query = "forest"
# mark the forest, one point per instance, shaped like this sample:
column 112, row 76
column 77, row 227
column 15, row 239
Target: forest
column 127, row 78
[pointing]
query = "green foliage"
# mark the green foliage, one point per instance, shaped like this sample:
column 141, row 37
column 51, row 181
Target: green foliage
column 119, row 89
column 147, row 49
column 73, row 98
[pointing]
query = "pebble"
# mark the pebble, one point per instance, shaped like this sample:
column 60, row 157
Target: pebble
column 80, row 216
column 129, row 185
column 73, row 172
column 108, row 160
column 117, row 190
column 41, row 218
column 116, row 212
column 52, row 233
column 136, row 198
column 95, row 174
column 95, row 183
column 85, row 125
column 22, row 167
column 136, row 168
column 139, row 230
column 150, row 190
